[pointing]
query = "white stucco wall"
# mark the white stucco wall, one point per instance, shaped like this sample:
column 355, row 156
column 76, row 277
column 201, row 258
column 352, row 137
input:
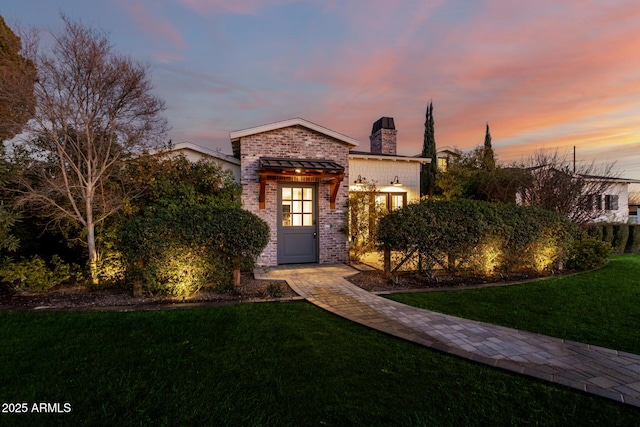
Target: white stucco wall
column 622, row 213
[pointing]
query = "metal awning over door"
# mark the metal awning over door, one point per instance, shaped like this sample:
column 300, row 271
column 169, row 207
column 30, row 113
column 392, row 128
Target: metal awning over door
column 309, row 170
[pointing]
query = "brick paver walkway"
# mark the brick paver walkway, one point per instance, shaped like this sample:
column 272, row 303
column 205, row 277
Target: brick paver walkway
column 604, row 372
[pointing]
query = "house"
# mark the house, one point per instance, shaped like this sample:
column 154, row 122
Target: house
column 599, row 198
column 296, row 176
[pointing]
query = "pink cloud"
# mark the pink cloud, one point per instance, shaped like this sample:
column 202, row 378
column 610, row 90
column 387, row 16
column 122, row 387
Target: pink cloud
column 238, row 7
column 538, row 72
column 543, row 74
column 152, row 21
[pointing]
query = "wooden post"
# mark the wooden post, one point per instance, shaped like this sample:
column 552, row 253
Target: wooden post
column 236, row 271
column 137, row 284
column 387, row 262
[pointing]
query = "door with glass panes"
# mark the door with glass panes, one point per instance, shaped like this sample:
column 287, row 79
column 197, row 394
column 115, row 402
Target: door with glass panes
column 297, row 223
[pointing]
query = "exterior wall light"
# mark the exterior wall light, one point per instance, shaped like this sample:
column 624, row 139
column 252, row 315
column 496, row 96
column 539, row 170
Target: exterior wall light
column 358, row 181
column 396, row 182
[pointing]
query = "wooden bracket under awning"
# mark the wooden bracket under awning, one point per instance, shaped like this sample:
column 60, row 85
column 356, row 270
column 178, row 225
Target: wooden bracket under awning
column 300, row 170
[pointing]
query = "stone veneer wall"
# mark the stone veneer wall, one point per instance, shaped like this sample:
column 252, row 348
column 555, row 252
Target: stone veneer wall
column 296, row 142
column 384, row 141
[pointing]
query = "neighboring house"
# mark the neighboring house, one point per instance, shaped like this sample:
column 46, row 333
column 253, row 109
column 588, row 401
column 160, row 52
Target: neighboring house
column 193, row 153
column 614, row 202
column 604, row 199
column 445, row 156
column 633, row 213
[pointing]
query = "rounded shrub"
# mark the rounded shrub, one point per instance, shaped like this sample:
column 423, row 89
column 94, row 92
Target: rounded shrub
column 177, row 252
column 37, row 275
column 587, row 252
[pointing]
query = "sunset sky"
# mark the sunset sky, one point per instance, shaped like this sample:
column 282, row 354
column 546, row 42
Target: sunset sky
column 544, row 74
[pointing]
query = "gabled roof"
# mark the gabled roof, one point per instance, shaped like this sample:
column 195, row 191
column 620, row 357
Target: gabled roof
column 189, row 146
column 448, row 150
column 236, row 135
column 596, row 178
column 612, row 180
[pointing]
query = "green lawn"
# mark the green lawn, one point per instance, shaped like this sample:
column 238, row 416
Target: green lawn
column 600, row 307
column 264, row 364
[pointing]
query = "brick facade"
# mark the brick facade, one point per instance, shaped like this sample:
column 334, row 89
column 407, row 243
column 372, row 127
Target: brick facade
column 296, row 142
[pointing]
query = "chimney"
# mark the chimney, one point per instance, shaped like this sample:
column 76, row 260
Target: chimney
column 383, row 136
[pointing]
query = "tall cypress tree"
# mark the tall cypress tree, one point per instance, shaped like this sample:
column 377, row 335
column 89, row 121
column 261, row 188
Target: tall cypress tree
column 428, row 171
column 488, row 157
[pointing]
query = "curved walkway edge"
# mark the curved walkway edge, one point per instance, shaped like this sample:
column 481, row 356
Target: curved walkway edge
column 596, row 370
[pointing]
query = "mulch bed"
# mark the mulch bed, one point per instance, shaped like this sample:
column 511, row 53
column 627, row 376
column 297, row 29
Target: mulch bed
column 83, row 298
column 374, row 281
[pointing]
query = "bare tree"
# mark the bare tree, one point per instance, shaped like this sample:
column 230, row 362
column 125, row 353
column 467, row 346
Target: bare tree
column 554, row 185
column 95, row 109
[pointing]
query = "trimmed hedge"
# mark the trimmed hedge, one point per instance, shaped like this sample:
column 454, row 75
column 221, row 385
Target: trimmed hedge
column 607, row 233
column 620, row 237
column 624, row 238
column 633, row 243
column 177, row 252
column 480, row 237
column 596, row 231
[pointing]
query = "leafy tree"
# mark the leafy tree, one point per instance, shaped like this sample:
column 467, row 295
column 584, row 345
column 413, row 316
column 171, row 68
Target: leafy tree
column 8, row 218
column 364, row 214
column 17, row 77
column 428, row 171
column 95, row 110
column 470, row 176
column 175, row 183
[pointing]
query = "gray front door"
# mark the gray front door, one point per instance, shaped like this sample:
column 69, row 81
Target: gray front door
column 297, row 223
